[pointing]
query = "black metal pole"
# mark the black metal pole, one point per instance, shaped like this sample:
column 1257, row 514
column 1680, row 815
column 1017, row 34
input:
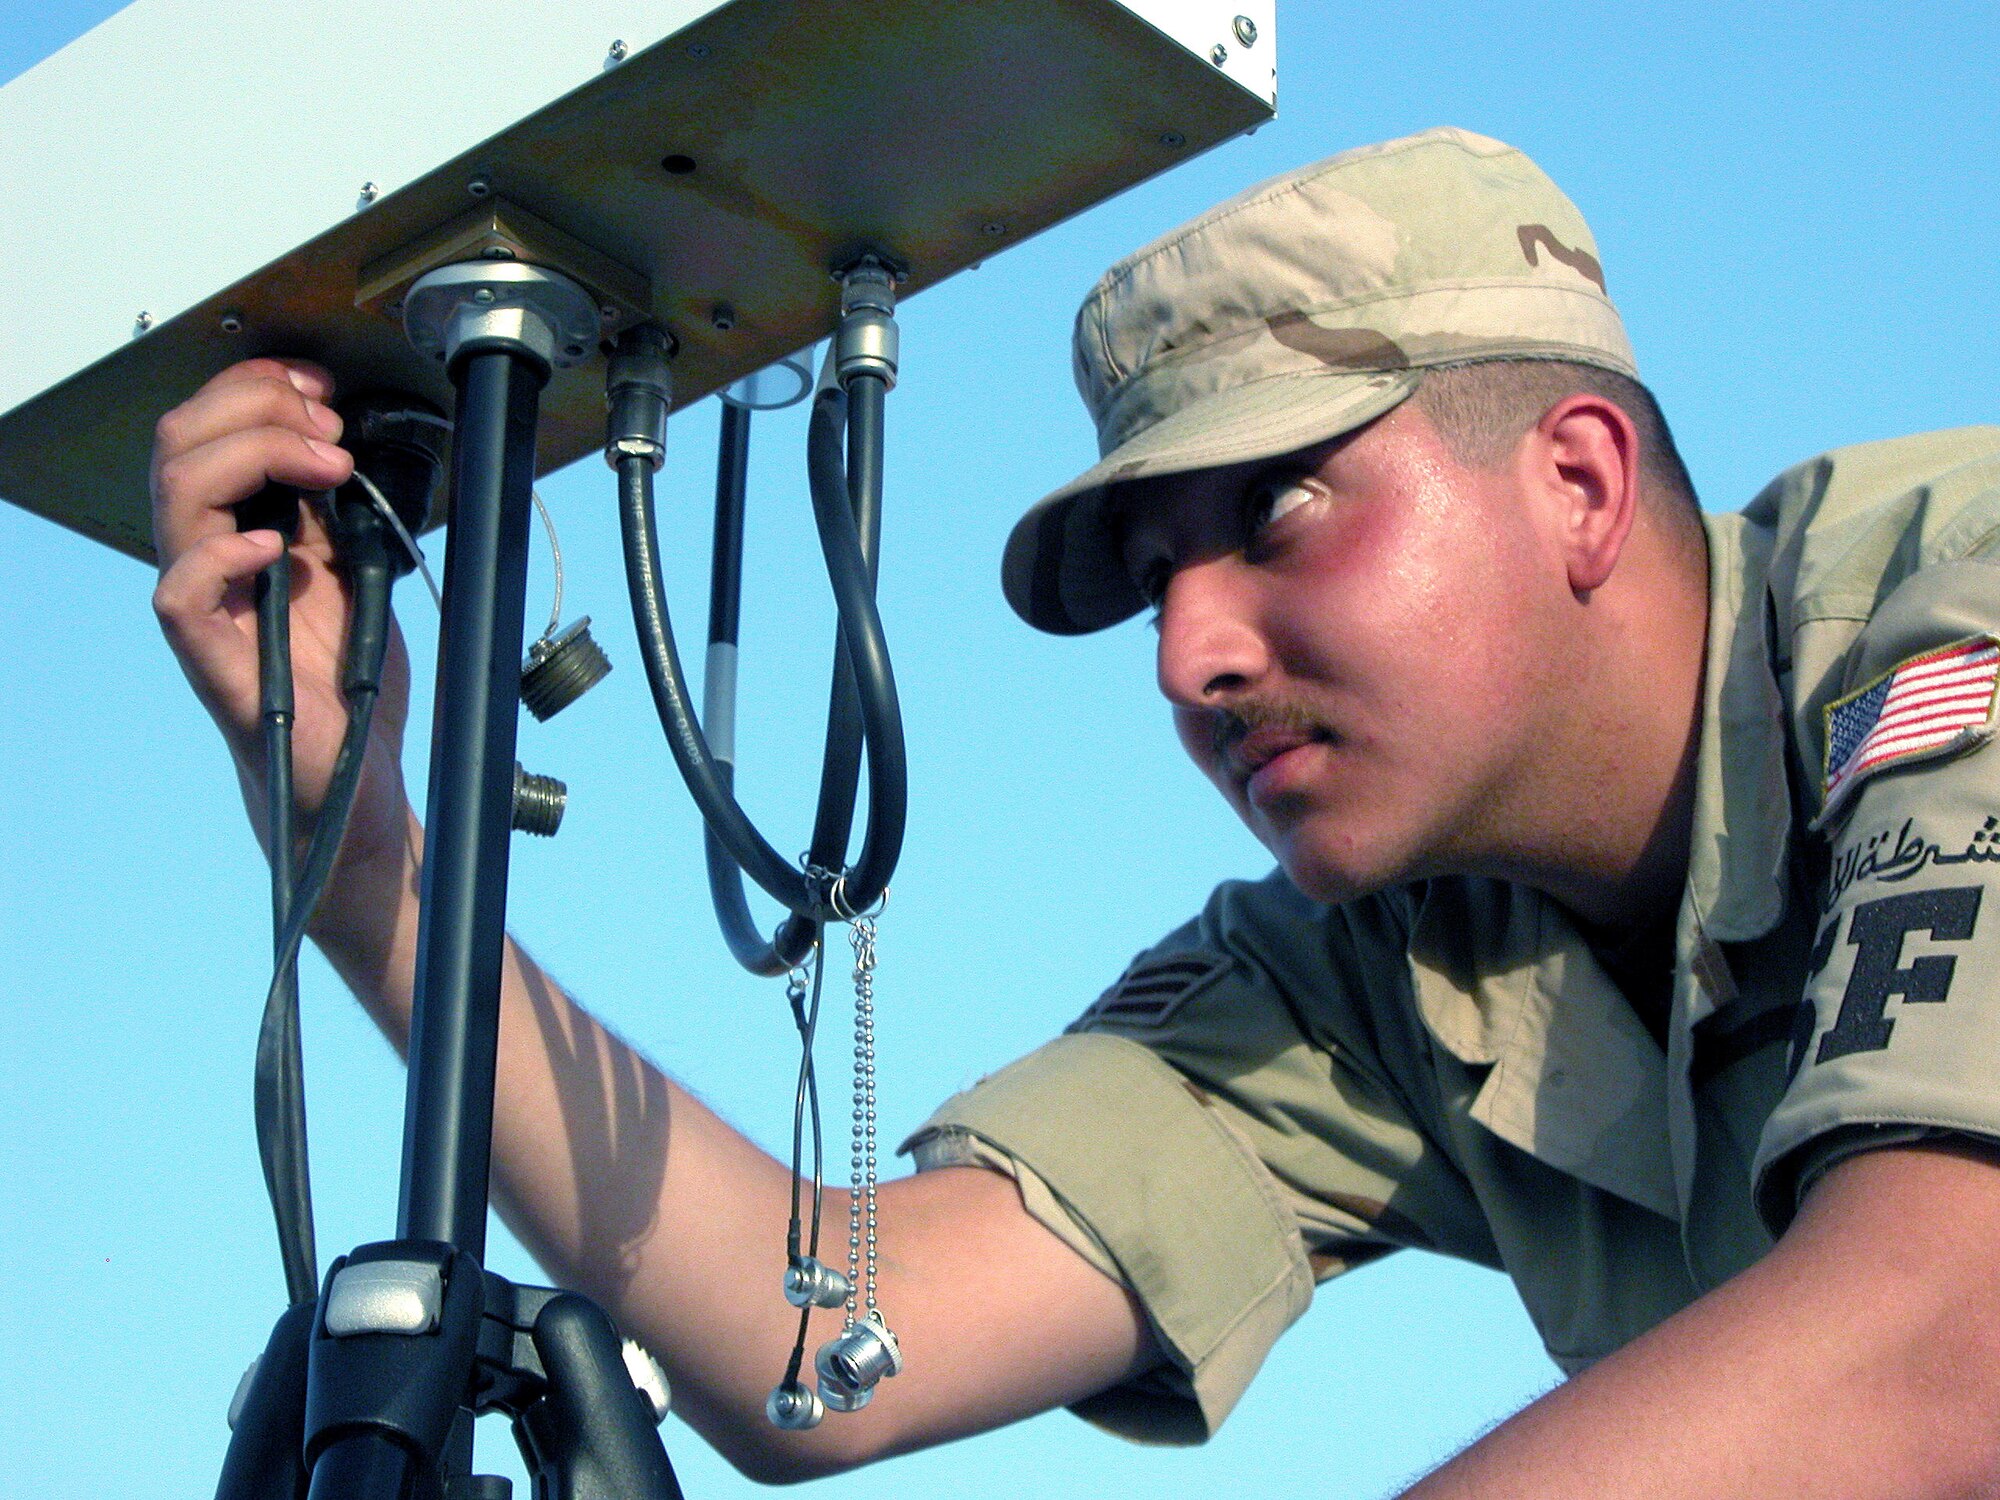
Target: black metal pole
column 461, row 934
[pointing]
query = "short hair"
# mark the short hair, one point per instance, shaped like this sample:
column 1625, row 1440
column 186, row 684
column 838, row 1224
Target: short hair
column 1482, row 408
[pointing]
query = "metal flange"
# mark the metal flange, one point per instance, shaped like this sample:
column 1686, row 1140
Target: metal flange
column 487, row 304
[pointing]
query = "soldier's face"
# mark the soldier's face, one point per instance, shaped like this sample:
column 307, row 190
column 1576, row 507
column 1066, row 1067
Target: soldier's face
column 1357, row 641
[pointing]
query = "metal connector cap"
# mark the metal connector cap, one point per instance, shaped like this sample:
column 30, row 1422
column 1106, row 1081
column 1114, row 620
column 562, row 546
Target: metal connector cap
column 794, row 1407
column 858, row 1357
column 639, row 388
column 808, row 1283
column 867, row 341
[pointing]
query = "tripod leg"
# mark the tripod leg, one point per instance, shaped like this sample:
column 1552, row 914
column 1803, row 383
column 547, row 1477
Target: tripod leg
column 591, row 1437
column 266, row 1458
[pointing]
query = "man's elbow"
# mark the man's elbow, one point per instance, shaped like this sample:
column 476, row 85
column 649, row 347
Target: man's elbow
column 764, row 1454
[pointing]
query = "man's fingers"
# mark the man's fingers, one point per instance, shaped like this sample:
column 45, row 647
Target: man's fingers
column 302, row 374
column 238, row 399
column 193, row 601
column 194, row 490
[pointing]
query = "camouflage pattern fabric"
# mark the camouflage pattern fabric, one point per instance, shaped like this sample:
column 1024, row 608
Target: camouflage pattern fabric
column 1282, row 1091
column 1300, row 310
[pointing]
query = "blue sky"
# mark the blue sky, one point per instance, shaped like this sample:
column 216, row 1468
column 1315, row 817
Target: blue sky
column 1796, row 208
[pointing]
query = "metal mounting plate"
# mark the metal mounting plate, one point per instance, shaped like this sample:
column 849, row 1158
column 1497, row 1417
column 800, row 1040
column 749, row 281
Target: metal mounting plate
column 727, row 160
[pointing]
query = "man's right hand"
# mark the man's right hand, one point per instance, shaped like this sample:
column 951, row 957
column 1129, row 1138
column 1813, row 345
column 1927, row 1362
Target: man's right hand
column 269, row 421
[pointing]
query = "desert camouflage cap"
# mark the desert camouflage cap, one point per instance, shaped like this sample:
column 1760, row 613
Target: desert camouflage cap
column 1297, row 311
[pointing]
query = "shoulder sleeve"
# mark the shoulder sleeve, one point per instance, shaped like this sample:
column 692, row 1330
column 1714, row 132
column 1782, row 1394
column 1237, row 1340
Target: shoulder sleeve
column 1899, row 1028
column 1200, row 1136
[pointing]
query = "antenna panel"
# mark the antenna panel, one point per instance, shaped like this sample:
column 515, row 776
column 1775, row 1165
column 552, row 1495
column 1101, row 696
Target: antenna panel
column 195, row 182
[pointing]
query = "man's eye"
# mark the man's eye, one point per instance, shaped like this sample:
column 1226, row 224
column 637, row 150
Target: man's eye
column 1274, row 499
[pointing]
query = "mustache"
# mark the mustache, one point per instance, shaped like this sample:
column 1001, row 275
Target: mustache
column 1236, row 723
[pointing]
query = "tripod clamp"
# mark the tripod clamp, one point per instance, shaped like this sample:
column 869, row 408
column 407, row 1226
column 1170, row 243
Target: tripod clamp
column 401, row 1332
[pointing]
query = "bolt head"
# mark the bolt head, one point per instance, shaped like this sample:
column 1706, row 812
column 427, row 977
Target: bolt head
column 1246, row 31
column 479, row 187
column 619, row 51
column 143, row 322
column 483, row 294
column 498, row 252
column 1218, row 54
column 370, row 192
column 232, row 322
column 993, row 227
column 1173, row 139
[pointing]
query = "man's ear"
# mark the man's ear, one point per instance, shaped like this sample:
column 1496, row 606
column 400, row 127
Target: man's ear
column 1582, row 459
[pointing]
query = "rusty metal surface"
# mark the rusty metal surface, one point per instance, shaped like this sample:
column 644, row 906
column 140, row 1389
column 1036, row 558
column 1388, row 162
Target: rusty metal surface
column 792, row 135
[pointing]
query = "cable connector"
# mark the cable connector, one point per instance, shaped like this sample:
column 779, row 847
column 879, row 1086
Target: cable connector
column 867, row 341
column 639, row 388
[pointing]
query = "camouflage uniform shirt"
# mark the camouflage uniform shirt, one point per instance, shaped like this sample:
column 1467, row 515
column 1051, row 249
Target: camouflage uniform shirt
column 1280, row 1091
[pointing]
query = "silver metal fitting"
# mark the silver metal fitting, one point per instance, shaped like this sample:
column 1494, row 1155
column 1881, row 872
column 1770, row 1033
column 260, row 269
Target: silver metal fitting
column 839, row 1397
column 867, row 341
column 794, row 1407
column 560, row 669
column 811, row 1284
column 639, row 387
column 539, row 803
column 648, row 1378
column 1246, row 31
column 857, row 1358
column 509, row 305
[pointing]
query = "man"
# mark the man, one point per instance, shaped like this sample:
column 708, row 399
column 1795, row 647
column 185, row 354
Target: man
column 1574, row 797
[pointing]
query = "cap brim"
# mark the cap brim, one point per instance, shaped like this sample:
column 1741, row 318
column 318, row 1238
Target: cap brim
column 1061, row 570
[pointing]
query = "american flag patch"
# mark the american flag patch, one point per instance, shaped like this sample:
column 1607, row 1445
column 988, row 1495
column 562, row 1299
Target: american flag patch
column 1152, row 988
column 1930, row 705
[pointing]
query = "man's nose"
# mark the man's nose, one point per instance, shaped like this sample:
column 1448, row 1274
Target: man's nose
column 1211, row 649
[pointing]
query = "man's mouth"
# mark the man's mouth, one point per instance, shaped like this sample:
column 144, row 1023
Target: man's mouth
column 1253, row 746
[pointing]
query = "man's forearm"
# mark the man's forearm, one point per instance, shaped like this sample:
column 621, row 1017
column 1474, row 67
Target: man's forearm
column 1854, row 1362
column 626, row 1187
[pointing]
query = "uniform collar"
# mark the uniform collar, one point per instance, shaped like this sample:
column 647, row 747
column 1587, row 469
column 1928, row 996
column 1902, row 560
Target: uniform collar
column 1742, row 810
column 1503, row 979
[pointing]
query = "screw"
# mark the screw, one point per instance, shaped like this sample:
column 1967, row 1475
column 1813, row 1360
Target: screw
column 479, row 187
column 369, row 192
column 1246, row 31
column 498, row 252
column 608, row 313
column 232, row 322
column 1172, row 138
column 619, row 50
column 483, row 295
column 993, row 227
column 141, row 323
column 699, row 51
column 1218, row 54
column 723, row 316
